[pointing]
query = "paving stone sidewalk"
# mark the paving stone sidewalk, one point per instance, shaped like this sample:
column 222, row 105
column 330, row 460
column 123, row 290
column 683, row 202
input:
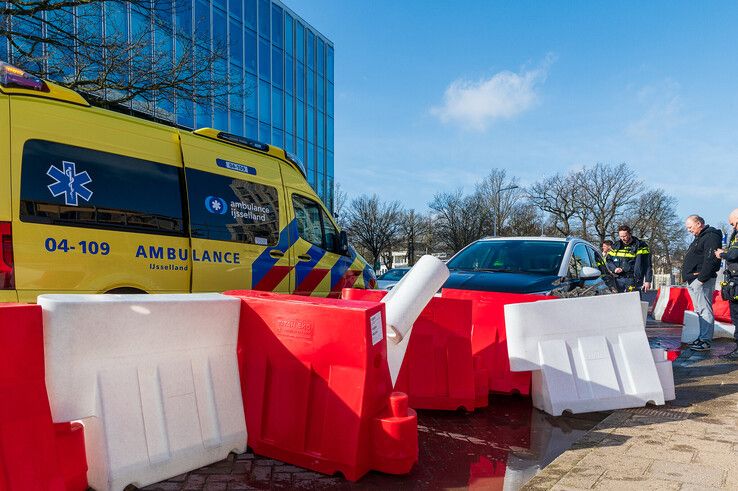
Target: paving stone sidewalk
column 689, row 444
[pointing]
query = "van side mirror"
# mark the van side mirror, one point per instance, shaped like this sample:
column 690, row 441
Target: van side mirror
column 343, row 247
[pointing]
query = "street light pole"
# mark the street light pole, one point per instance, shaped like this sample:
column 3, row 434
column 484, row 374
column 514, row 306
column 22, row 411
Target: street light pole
column 497, row 209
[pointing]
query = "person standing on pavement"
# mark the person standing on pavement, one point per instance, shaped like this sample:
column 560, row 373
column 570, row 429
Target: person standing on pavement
column 630, row 260
column 729, row 290
column 606, row 247
column 700, row 272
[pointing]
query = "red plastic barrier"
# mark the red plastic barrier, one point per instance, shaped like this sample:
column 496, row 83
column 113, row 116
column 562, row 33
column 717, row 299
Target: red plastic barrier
column 489, row 341
column 70, row 448
column 679, row 301
column 721, row 308
column 438, row 370
column 316, row 385
column 28, row 444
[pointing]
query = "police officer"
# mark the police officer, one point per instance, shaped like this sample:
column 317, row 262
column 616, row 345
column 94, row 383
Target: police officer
column 729, row 290
column 630, row 260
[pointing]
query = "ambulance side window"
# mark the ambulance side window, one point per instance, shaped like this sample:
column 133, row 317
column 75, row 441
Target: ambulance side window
column 312, row 223
column 80, row 187
column 230, row 209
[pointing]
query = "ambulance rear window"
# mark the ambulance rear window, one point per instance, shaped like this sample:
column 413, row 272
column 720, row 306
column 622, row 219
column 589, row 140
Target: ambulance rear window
column 231, row 209
column 80, row 187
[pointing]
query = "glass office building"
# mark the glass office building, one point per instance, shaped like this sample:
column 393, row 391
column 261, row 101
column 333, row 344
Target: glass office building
column 283, row 66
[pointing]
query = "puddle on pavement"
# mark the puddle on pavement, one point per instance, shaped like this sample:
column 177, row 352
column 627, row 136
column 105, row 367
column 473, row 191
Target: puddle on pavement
column 501, row 446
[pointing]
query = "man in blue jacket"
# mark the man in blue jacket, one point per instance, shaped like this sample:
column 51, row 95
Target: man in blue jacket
column 729, row 290
column 700, row 271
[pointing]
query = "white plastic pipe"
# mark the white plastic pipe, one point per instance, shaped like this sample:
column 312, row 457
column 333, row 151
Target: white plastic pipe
column 405, row 302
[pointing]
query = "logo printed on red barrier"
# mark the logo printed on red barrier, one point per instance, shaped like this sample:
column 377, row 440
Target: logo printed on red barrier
column 376, row 322
column 295, row 329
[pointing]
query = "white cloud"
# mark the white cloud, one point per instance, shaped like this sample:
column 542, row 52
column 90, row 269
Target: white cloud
column 662, row 111
column 474, row 104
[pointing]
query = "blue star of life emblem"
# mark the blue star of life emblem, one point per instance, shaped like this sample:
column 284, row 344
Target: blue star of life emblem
column 69, row 183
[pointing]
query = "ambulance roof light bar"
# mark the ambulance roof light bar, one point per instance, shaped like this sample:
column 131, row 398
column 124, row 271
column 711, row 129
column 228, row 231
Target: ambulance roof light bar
column 11, row 76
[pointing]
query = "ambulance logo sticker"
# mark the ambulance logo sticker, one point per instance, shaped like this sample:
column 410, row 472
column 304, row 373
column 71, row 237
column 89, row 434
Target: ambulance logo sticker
column 69, row 183
column 215, row 205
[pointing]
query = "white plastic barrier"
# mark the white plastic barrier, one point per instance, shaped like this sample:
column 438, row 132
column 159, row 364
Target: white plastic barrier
column 587, row 354
column 405, row 302
column 644, row 311
column 691, row 329
column 156, row 376
column 665, row 371
column 661, row 303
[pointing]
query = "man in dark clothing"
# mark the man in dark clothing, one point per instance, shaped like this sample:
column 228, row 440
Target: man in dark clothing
column 700, row 271
column 729, row 290
column 630, row 260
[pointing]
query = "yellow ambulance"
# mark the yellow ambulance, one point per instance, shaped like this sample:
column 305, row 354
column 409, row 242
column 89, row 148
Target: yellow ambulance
column 93, row 201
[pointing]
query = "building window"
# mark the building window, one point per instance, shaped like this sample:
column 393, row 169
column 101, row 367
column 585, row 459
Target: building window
column 264, row 59
column 249, row 16
column 277, row 26
column 264, row 18
column 277, row 67
column 250, row 50
column 288, row 37
column 264, row 101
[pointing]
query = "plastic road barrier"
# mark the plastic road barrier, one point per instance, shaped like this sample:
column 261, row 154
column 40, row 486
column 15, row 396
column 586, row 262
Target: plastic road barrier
column 405, row 303
column 319, row 392
column 720, row 308
column 671, row 303
column 584, row 358
column 489, row 338
column 70, row 449
column 691, row 329
column 665, row 372
column 29, row 445
column 438, row 369
column 157, row 376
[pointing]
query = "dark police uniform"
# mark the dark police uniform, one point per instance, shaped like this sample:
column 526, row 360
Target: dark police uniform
column 635, row 260
column 729, row 287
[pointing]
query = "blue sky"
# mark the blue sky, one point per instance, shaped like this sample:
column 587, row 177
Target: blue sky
column 430, row 95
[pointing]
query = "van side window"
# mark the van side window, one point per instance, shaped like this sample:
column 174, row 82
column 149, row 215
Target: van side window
column 79, row 187
column 313, row 224
column 234, row 210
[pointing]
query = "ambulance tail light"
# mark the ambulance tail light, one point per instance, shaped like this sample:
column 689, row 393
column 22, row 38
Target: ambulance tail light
column 7, row 271
column 11, row 76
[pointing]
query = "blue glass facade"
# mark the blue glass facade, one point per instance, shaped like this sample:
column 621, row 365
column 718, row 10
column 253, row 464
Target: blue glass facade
column 282, row 64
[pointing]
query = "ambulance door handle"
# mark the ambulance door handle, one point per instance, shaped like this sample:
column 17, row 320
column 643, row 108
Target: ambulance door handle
column 304, row 257
column 276, row 254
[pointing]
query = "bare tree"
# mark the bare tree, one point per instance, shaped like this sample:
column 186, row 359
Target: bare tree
column 374, row 225
column 459, row 219
column 654, row 219
column 525, row 220
column 413, row 228
column 89, row 46
column 339, row 205
column 606, row 193
column 501, row 192
column 557, row 195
